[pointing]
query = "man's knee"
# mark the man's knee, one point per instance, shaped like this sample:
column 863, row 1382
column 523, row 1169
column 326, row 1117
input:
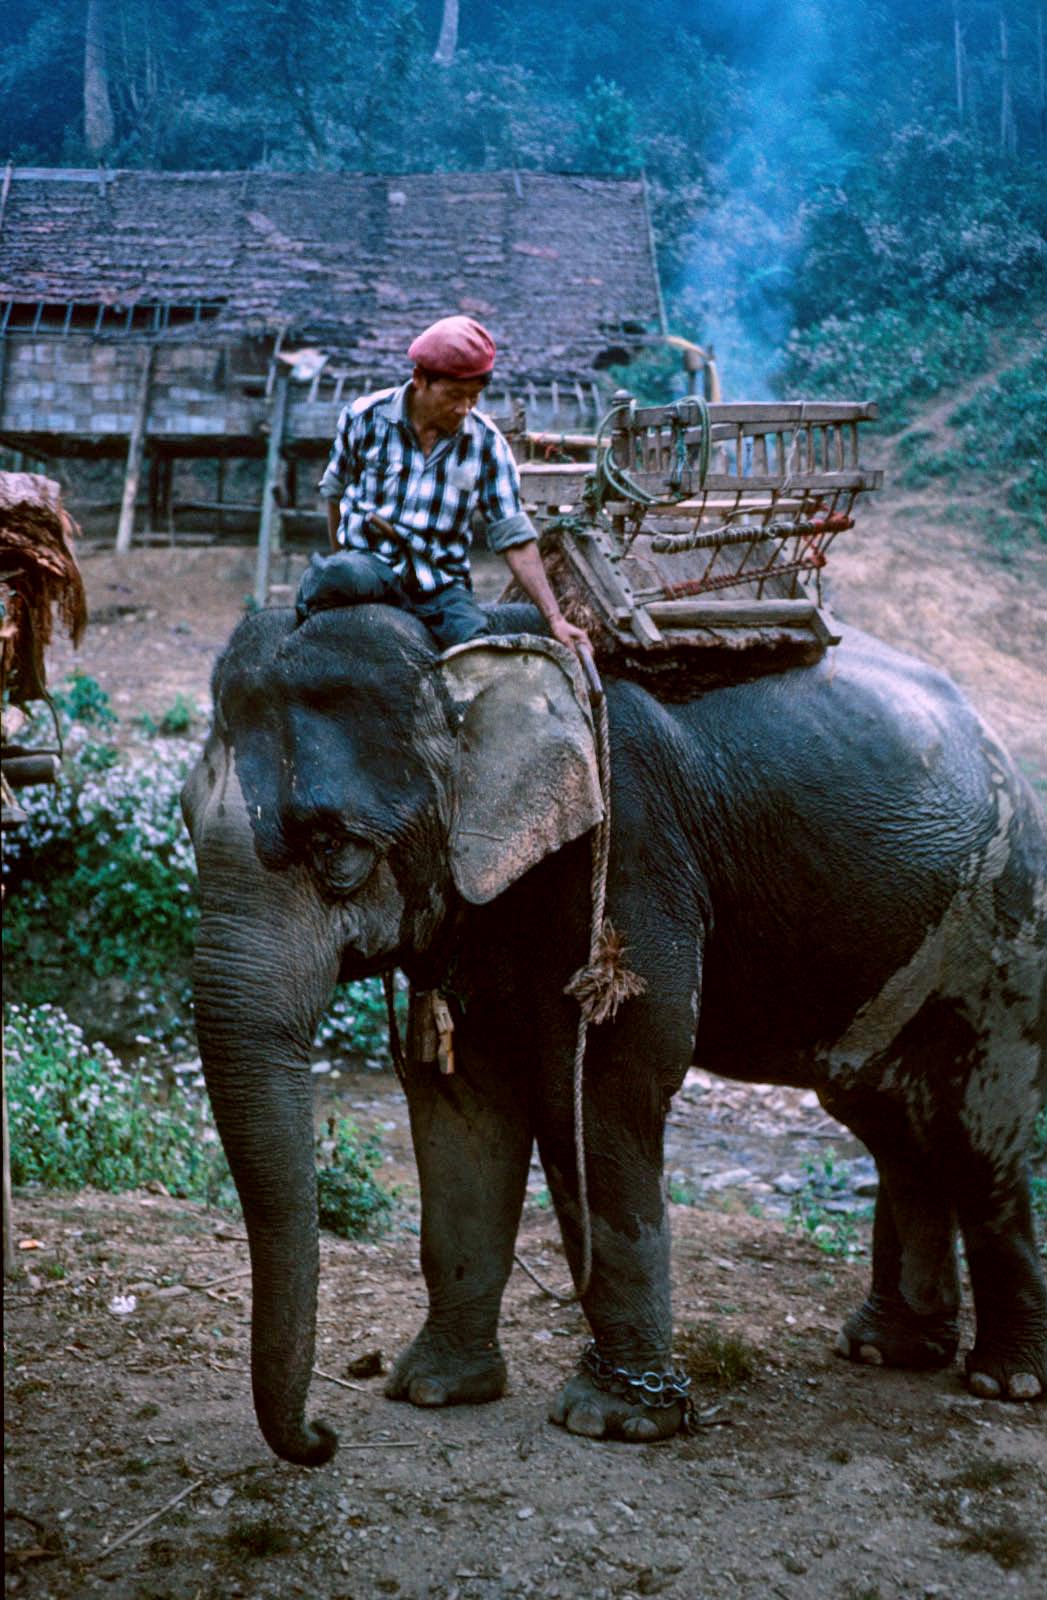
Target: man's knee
column 347, row 578
column 455, row 618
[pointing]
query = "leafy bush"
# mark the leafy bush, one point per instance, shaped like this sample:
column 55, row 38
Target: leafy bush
column 1003, row 428
column 350, row 1200
column 101, row 885
column 934, row 219
column 84, row 700
column 79, row 1116
column 896, row 357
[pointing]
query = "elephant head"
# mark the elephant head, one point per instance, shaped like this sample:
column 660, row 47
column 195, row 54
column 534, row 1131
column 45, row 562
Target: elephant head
column 355, row 789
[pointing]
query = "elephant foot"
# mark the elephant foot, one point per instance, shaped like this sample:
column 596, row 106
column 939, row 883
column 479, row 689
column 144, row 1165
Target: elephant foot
column 598, row 1403
column 886, row 1333
column 434, row 1372
column 1011, row 1375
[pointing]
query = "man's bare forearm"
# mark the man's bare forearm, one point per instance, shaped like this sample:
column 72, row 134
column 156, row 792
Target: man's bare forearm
column 527, row 567
column 333, row 519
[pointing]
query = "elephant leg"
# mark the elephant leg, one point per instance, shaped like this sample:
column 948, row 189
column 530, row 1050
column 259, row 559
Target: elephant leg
column 1009, row 1359
column 473, row 1145
column 627, row 1301
column 910, row 1318
column 911, row 1315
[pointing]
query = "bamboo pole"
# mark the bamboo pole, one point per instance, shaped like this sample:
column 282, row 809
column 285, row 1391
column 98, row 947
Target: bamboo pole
column 730, row 613
column 135, row 449
column 272, row 469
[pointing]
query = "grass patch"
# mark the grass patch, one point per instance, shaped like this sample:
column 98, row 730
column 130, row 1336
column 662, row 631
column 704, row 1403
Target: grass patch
column 259, row 1537
column 1009, row 1544
column 982, row 1474
column 821, row 1211
column 714, row 1359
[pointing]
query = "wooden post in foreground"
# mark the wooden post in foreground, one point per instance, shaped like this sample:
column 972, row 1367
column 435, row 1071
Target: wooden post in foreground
column 272, row 472
column 10, row 1261
column 135, row 448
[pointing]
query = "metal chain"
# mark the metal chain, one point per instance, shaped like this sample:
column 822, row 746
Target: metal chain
column 657, row 1391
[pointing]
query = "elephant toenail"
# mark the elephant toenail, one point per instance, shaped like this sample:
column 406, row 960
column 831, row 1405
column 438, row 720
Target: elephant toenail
column 981, row 1384
column 586, row 1421
column 428, row 1392
column 639, row 1428
column 1025, row 1386
column 842, row 1346
column 870, row 1355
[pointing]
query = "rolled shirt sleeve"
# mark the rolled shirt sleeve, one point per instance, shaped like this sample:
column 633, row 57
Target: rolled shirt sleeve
column 507, row 523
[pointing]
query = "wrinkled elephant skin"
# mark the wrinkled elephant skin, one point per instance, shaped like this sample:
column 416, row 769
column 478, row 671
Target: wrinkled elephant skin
column 832, row 877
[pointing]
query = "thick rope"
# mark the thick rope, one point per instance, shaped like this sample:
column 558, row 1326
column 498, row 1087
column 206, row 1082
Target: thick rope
column 601, row 858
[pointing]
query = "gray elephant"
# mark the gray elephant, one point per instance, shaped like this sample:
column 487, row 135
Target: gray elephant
column 829, row 877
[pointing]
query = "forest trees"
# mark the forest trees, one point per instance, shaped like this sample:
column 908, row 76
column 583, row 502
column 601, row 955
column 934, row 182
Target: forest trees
column 805, row 158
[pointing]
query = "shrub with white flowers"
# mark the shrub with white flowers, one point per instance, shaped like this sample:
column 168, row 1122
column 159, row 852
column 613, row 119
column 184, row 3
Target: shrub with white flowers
column 101, row 883
column 79, row 1116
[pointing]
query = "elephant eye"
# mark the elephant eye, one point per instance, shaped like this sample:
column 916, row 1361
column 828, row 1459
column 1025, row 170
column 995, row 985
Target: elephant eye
column 342, row 860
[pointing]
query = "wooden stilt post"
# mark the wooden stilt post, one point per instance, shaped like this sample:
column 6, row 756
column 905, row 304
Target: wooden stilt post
column 135, row 448
column 272, row 471
column 10, row 1260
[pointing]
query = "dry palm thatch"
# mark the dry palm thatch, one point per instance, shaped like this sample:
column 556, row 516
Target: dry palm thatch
column 38, row 577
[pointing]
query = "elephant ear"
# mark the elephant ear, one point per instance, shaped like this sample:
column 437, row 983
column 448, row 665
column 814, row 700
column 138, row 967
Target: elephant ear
column 527, row 778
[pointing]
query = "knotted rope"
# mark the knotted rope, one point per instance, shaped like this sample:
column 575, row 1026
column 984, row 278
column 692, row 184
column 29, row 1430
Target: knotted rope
column 602, row 985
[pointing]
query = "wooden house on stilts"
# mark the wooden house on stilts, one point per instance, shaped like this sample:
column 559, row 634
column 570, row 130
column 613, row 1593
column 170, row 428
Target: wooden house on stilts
column 165, row 319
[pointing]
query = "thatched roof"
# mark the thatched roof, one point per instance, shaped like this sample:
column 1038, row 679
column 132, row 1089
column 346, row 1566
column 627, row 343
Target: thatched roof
column 561, row 268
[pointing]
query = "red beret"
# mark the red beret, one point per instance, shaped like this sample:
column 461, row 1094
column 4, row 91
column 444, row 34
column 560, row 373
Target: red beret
column 455, row 347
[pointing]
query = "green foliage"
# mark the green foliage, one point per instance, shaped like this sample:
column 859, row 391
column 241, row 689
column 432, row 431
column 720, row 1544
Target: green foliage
column 357, row 1023
column 897, row 357
column 82, row 699
column 101, row 875
column 1003, row 429
column 101, row 884
column 607, row 132
column 714, row 1359
column 79, row 1116
column 350, row 1199
column 178, row 719
column 933, row 218
column 819, row 1210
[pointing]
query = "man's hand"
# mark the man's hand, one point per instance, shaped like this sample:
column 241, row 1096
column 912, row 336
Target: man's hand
column 567, row 633
column 528, row 569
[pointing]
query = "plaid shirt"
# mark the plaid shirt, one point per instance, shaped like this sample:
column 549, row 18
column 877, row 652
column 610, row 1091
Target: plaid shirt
column 378, row 465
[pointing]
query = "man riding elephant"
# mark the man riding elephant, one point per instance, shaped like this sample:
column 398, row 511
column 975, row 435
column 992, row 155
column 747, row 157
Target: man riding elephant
column 410, row 468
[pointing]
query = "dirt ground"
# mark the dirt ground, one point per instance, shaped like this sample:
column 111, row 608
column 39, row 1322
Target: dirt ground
column 133, row 1465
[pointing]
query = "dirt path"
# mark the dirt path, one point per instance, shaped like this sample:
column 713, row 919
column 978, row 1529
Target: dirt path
column 127, row 1388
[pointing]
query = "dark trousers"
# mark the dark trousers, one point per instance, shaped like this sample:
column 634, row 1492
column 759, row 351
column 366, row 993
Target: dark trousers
column 353, row 577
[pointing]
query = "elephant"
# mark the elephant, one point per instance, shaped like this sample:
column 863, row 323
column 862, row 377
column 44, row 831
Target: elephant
column 830, row 877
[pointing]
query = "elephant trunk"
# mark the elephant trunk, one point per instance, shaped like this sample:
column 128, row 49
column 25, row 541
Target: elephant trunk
column 254, row 1037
